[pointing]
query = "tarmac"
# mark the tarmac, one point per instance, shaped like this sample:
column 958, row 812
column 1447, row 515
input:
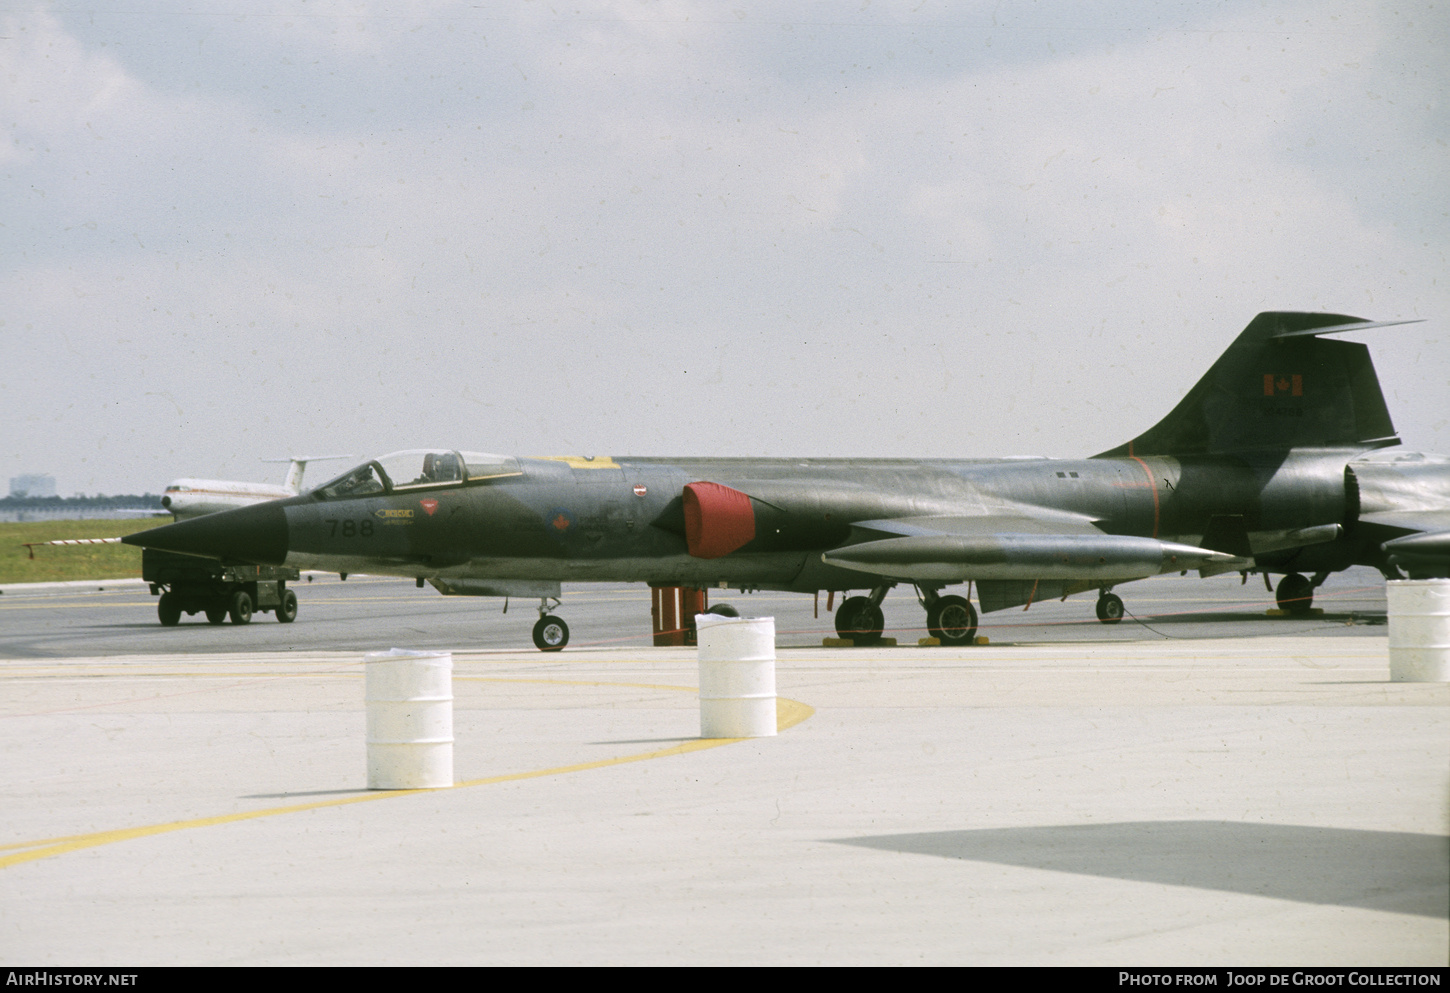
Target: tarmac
column 1261, row 801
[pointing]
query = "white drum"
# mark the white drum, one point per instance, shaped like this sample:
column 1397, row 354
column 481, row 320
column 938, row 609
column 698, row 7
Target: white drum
column 1419, row 630
column 737, row 676
column 409, row 719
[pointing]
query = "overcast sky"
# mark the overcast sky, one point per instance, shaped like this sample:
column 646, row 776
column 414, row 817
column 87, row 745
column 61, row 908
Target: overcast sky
column 231, row 232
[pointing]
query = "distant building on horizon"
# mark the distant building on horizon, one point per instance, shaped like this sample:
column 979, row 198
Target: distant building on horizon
column 32, row 486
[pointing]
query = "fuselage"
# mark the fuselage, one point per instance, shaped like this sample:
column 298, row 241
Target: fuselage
column 1280, row 459
column 621, row 519
column 186, row 498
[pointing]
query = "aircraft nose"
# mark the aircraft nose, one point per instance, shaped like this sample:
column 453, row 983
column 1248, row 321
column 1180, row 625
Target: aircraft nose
column 256, row 534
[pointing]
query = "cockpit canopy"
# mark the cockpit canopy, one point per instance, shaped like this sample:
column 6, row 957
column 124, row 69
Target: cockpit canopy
column 418, row 468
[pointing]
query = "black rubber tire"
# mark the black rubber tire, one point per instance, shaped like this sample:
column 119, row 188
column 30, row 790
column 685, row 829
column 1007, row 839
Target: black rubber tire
column 952, row 620
column 168, row 611
column 723, row 610
column 551, row 634
column 860, row 620
column 241, row 607
column 217, row 614
column 286, row 611
column 1110, row 608
column 1295, row 595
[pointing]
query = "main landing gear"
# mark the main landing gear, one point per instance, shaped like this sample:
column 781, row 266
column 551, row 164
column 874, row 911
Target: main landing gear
column 952, row 620
column 551, row 634
column 1295, row 595
column 859, row 618
column 1110, row 607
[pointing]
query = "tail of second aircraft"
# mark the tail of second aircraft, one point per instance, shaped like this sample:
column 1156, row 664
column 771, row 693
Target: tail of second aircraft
column 298, row 465
column 1278, row 386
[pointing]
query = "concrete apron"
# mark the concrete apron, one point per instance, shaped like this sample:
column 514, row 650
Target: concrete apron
column 1245, row 801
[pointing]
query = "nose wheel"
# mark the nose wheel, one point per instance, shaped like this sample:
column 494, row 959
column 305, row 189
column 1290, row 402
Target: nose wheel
column 551, row 634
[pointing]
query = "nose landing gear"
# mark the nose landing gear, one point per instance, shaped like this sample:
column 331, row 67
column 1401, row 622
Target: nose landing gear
column 551, row 634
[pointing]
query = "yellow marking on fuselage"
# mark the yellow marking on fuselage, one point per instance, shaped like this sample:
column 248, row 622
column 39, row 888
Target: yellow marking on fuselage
column 582, row 461
column 788, row 713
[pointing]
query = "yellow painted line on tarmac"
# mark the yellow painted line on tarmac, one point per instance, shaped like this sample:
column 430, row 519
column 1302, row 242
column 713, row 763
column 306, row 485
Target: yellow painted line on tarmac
column 238, row 679
column 254, row 676
column 788, row 713
column 138, row 602
column 591, row 682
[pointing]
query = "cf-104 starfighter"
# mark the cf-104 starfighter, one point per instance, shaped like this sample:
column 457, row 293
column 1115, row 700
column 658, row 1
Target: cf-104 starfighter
column 1276, row 462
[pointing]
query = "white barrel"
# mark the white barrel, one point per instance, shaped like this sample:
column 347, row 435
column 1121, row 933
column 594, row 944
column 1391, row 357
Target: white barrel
column 410, row 719
column 737, row 676
column 1419, row 630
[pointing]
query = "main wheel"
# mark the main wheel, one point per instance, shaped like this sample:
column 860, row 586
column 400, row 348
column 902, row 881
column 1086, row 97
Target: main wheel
column 1110, row 608
column 692, row 633
column 1295, row 595
column 953, row 620
column 550, row 634
column 216, row 614
column 168, row 610
column 241, row 610
column 860, row 620
column 287, row 610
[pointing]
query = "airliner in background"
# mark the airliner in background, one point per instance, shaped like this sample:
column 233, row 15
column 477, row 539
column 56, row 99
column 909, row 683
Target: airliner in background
column 186, row 498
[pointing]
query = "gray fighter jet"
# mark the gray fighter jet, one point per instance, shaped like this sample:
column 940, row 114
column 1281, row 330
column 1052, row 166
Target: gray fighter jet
column 1275, row 462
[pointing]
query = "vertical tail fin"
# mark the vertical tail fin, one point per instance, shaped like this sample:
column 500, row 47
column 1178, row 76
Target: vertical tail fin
column 1278, row 386
column 297, row 465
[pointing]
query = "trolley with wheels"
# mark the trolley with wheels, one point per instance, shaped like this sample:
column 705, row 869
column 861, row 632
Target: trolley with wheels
column 189, row 584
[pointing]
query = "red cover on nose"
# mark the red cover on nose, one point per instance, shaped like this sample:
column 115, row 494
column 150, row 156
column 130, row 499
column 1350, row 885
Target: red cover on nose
column 718, row 520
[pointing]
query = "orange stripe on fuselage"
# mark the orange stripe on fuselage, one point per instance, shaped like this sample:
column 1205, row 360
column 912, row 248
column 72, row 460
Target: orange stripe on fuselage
column 1152, row 485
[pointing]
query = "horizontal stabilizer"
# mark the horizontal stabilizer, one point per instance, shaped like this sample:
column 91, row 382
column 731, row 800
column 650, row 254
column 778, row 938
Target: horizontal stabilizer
column 299, row 466
column 1340, row 328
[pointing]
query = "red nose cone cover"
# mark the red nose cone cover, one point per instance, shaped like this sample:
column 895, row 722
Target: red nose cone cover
column 718, row 520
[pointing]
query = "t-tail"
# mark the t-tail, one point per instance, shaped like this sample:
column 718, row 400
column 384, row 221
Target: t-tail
column 297, row 465
column 1279, row 386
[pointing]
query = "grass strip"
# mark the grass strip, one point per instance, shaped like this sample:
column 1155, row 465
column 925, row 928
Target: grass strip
column 59, row 563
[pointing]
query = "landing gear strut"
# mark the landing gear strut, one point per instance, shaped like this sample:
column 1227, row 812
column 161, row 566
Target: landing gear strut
column 551, row 634
column 859, row 618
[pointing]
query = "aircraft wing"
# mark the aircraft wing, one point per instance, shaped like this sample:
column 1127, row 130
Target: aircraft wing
column 1422, row 521
column 1009, row 546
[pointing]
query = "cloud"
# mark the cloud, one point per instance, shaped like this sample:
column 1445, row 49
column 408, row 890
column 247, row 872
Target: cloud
column 673, row 228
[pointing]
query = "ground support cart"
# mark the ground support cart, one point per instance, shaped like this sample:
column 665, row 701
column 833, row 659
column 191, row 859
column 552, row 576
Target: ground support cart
column 189, row 584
